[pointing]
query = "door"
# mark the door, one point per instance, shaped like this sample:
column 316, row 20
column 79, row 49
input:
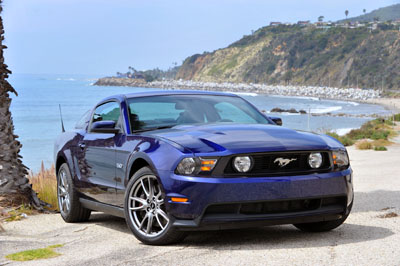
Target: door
column 99, row 156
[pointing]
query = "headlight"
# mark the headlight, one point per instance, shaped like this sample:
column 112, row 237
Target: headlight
column 242, row 163
column 340, row 159
column 195, row 165
column 315, row 160
column 186, row 166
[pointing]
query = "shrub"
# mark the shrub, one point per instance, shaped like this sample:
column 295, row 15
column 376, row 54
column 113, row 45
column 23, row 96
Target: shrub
column 396, row 117
column 375, row 129
column 380, row 148
column 380, row 134
column 381, row 142
column 346, row 141
column 364, row 145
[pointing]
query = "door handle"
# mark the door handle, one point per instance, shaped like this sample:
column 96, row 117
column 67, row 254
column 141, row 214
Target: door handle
column 82, row 145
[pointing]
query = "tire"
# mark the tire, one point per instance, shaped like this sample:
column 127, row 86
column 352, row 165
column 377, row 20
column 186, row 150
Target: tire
column 144, row 204
column 323, row 226
column 68, row 199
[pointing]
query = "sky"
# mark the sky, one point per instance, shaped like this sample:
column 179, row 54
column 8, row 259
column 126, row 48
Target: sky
column 101, row 37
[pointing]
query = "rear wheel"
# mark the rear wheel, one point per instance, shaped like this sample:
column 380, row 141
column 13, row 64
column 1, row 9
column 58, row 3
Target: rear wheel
column 68, row 199
column 145, row 210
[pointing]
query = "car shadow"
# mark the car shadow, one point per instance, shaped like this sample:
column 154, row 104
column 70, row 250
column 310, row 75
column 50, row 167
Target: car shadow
column 285, row 236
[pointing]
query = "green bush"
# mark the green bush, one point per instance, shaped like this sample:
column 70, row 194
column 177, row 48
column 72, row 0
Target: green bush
column 396, row 117
column 380, row 148
column 380, row 134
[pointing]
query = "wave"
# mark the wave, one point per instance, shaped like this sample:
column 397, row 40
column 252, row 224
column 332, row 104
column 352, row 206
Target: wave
column 306, row 98
column 326, row 109
column 343, row 131
column 354, row 103
column 244, row 93
column 66, row 79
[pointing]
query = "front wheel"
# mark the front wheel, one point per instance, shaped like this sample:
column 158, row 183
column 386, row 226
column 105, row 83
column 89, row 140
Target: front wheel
column 68, row 199
column 145, row 211
column 323, row 226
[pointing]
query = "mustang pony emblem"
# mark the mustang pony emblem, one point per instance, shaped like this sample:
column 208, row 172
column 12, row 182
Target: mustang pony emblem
column 283, row 162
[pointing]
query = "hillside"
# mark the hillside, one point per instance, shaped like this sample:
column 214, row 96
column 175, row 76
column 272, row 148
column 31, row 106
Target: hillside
column 383, row 14
column 304, row 55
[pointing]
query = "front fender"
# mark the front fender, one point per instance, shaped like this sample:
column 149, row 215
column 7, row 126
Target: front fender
column 161, row 156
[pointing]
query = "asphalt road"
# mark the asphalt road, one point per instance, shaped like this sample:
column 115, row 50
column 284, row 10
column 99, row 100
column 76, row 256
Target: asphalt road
column 365, row 238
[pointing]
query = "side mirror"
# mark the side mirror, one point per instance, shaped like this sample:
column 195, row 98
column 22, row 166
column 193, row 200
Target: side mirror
column 276, row 120
column 105, row 126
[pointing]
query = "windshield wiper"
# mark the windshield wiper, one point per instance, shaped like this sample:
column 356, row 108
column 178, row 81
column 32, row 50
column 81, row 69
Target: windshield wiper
column 152, row 128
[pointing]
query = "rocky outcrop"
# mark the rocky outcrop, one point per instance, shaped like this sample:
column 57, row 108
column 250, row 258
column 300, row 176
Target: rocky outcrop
column 308, row 91
column 113, row 81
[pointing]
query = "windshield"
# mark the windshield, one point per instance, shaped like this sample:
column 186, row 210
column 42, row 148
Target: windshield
column 171, row 110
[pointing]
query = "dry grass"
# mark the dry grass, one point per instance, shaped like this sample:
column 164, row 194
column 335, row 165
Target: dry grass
column 45, row 184
column 364, row 145
column 389, row 215
column 381, row 142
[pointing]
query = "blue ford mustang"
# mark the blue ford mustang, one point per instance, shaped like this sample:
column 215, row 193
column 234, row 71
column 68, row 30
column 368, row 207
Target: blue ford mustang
column 174, row 161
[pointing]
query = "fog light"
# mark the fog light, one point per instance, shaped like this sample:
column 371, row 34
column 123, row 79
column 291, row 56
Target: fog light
column 315, row 160
column 242, row 163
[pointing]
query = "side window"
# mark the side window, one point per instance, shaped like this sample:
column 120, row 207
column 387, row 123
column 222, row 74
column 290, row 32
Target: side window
column 229, row 113
column 83, row 121
column 108, row 111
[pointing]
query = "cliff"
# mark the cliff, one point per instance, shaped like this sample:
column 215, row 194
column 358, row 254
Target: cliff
column 336, row 56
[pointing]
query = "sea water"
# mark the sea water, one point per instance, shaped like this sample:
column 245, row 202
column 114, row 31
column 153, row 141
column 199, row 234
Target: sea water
column 37, row 120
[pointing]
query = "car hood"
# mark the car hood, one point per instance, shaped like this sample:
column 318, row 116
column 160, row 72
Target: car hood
column 245, row 138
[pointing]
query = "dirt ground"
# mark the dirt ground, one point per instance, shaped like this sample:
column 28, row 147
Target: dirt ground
column 365, row 239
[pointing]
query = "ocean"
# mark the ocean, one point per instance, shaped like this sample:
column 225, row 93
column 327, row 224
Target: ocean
column 36, row 116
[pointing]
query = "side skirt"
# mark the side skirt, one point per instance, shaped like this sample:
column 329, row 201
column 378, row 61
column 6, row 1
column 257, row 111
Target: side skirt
column 97, row 206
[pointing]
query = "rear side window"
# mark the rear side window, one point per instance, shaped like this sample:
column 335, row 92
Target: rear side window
column 109, row 111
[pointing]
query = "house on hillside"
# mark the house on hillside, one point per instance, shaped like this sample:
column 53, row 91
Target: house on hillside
column 303, row 23
column 275, row 23
column 137, row 76
column 396, row 22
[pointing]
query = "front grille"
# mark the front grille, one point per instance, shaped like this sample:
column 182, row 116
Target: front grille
column 268, row 164
column 273, row 207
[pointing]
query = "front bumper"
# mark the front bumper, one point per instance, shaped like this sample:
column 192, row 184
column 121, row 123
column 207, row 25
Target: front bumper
column 204, row 192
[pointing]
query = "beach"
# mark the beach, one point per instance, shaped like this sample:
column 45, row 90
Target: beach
column 392, row 104
column 352, row 94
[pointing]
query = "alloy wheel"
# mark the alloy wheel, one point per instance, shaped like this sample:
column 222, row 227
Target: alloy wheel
column 146, row 207
column 63, row 192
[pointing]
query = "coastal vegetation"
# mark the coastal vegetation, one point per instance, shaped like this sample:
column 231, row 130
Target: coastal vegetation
column 298, row 55
column 45, row 184
column 374, row 134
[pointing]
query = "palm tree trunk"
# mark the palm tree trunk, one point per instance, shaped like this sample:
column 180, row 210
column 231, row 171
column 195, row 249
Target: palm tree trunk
column 14, row 184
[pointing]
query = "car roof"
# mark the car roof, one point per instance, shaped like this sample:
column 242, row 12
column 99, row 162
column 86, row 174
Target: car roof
column 121, row 97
